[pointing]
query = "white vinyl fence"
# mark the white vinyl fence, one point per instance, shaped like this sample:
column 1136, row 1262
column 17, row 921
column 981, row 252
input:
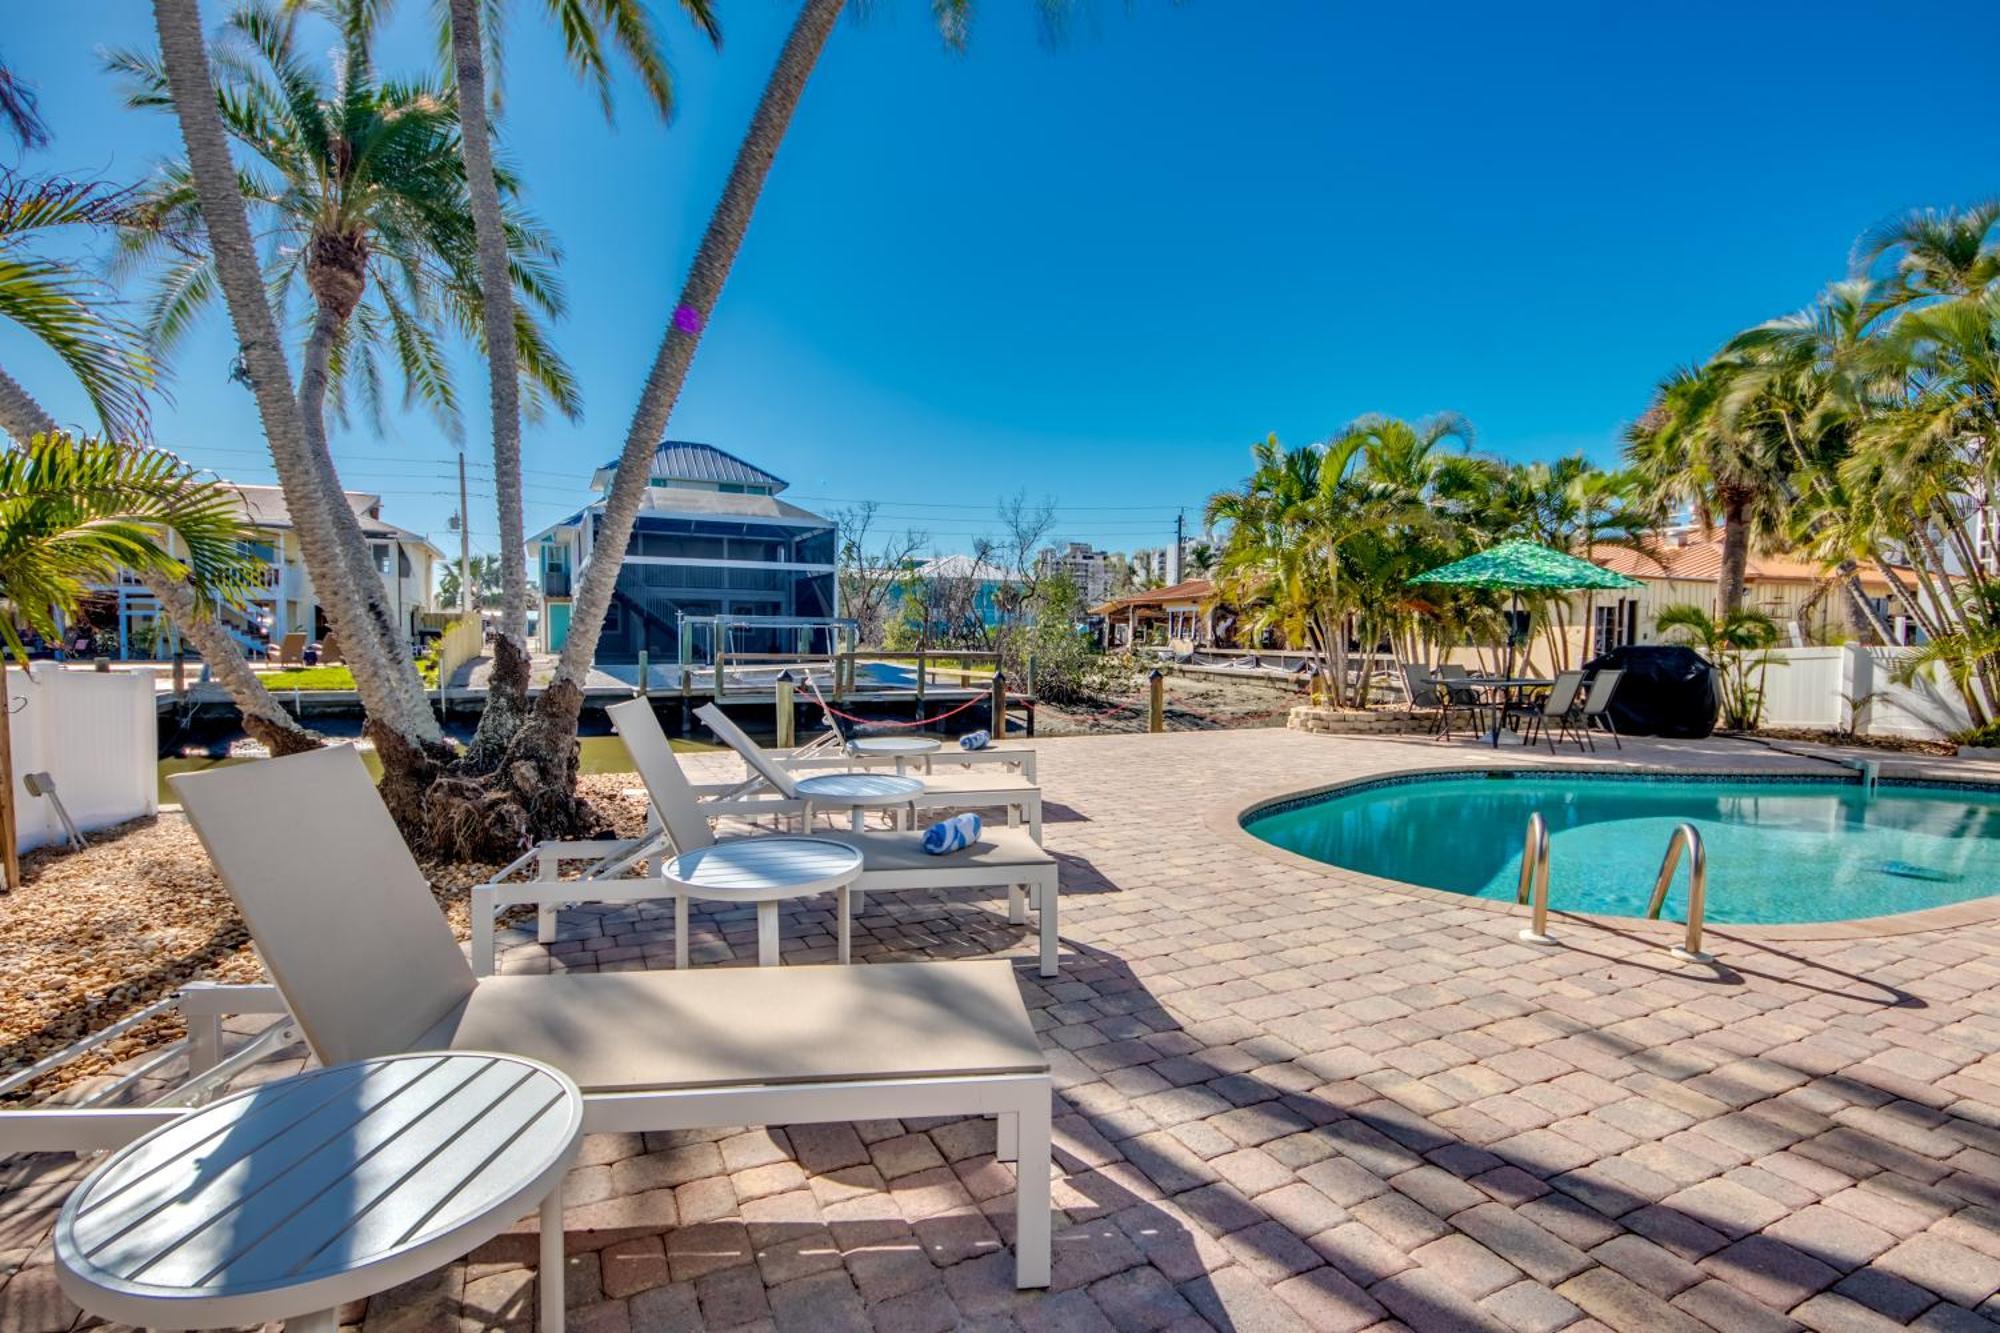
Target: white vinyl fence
column 96, row 734
column 1835, row 688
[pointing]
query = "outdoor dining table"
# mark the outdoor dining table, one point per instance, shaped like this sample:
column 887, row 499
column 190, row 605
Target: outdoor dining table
column 295, row 1197
column 1500, row 691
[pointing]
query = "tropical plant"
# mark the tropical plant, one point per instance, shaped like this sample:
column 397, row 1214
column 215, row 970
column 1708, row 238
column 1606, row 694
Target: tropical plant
column 485, row 570
column 358, row 186
column 1690, row 452
column 74, row 512
column 1737, row 644
column 406, row 732
column 1321, row 537
column 64, row 308
column 72, row 315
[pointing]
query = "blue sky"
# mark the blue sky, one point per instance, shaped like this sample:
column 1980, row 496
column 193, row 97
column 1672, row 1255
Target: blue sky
column 1099, row 271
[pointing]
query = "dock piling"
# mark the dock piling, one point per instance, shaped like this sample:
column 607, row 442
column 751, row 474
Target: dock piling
column 786, row 719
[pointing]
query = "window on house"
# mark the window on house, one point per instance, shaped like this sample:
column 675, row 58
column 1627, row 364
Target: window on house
column 381, row 553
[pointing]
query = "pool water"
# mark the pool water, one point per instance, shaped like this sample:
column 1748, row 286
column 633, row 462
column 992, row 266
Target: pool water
column 1792, row 851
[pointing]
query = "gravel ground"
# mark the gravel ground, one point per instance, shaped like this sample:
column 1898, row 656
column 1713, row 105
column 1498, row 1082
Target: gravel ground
column 1194, row 703
column 94, row 935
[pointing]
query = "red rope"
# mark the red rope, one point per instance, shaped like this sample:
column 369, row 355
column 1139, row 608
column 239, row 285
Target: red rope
column 919, row 722
column 831, row 711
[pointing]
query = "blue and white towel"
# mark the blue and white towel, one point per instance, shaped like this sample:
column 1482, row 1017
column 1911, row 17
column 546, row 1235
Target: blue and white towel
column 952, row 835
column 974, row 740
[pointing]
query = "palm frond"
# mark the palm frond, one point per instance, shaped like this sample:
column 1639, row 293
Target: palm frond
column 73, row 512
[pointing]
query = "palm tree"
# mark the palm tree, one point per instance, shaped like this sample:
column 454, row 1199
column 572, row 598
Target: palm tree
column 1688, row 451
column 359, row 188
column 68, row 314
column 406, row 732
column 587, row 27
column 61, row 307
column 74, row 512
column 1312, row 552
column 485, row 570
column 538, row 773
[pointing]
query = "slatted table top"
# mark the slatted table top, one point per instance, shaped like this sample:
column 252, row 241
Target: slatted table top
column 295, row 1196
column 765, row 869
column 859, row 789
column 895, row 745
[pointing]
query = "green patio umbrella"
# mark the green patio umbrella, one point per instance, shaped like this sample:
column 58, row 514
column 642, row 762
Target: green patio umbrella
column 1519, row 566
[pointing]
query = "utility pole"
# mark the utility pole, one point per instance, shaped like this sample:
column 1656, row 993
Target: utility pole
column 465, row 597
column 1174, row 555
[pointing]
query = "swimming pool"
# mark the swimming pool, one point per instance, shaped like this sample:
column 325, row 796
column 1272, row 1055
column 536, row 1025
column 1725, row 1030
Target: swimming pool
column 1792, row 850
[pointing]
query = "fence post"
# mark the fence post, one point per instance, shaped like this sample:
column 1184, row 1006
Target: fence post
column 923, row 669
column 645, row 673
column 1030, row 686
column 784, row 690
column 999, row 723
column 1156, row 708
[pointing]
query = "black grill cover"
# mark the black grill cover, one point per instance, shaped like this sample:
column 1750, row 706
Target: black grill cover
column 1666, row 691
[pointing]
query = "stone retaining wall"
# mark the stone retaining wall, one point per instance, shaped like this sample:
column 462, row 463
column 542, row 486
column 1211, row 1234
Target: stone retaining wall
column 1337, row 722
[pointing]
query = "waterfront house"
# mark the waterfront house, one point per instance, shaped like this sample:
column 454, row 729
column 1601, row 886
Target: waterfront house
column 1183, row 618
column 127, row 623
column 712, row 540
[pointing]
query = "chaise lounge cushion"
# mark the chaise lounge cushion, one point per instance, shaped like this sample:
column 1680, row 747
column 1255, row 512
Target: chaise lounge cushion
column 997, row 849
column 650, row 1031
column 963, row 783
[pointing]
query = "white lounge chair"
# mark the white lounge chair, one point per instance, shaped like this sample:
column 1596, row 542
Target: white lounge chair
column 347, row 927
column 1003, row 858
column 1020, row 798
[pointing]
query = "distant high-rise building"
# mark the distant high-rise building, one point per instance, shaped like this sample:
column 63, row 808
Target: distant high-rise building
column 1087, row 567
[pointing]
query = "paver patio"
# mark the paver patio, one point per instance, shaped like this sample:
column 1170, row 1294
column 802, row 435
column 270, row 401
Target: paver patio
column 1291, row 1098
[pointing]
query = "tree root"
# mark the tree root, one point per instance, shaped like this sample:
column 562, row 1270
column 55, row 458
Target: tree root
column 529, row 796
column 281, row 738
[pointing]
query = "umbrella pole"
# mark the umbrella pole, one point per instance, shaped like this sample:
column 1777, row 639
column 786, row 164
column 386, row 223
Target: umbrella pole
column 1516, row 596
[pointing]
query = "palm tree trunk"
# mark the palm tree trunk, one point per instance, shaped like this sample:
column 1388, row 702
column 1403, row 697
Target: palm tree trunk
column 20, row 415
column 532, row 792
column 328, row 323
column 386, row 697
column 1861, row 612
column 507, row 688
column 1735, row 552
column 263, row 716
column 712, row 262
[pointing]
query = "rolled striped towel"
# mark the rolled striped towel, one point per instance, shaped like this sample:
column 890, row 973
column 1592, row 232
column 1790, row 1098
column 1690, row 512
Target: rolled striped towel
column 974, row 740
column 952, row 835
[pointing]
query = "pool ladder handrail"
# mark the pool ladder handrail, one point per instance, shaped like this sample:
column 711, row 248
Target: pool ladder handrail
column 1535, row 880
column 1685, row 838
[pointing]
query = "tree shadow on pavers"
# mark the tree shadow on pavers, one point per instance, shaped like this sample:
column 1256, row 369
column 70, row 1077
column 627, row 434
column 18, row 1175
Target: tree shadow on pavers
column 1246, row 1162
column 1720, row 971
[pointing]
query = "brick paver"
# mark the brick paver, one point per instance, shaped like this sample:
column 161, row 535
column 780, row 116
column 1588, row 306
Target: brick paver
column 1290, row 1097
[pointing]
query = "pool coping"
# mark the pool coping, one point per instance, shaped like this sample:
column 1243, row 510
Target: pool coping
column 1227, row 821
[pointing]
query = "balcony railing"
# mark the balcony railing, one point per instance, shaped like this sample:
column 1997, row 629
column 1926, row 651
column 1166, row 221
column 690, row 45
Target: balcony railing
column 555, row 583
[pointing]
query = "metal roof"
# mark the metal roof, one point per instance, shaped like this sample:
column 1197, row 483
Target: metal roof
column 687, row 460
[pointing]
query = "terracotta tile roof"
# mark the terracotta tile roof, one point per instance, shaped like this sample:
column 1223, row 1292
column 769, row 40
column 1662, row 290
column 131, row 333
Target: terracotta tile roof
column 1187, row 590
column 1700, row 561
